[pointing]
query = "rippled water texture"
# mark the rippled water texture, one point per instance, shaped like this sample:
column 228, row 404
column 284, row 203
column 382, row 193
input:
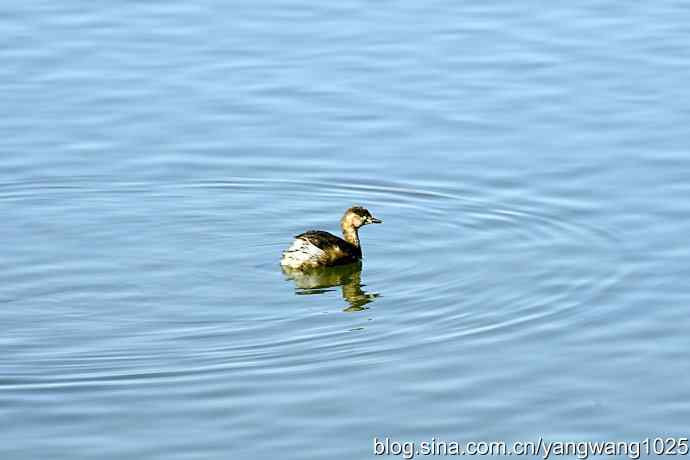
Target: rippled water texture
column 530, row 162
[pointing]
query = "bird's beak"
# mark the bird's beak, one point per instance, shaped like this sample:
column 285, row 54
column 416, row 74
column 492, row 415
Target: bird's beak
column 374, row 220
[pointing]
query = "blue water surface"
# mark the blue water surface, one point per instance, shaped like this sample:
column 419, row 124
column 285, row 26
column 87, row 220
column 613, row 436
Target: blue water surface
column 531, row 161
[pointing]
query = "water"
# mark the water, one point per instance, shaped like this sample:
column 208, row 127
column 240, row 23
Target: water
column 530, row 162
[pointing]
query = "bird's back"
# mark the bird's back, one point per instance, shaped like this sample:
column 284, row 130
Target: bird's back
column 317, row 248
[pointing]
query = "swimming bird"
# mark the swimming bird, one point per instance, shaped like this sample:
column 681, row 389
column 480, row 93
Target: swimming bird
column 317, row 248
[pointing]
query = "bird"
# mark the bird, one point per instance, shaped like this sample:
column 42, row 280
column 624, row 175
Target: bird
column 317, row 248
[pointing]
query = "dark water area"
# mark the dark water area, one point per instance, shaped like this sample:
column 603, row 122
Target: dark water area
column 531, row 163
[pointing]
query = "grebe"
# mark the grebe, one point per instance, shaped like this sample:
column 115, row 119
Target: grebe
column 317, row 248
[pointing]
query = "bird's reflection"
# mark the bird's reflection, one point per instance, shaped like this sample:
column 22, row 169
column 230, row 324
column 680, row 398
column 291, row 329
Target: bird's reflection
column 319, row 281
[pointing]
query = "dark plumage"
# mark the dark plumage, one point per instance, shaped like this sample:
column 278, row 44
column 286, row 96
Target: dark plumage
column 325, row 241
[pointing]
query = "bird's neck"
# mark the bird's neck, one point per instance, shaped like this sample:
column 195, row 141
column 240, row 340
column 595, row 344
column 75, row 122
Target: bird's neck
column 350, row 235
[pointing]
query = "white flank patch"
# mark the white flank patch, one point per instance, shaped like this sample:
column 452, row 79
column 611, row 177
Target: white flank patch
column 299, row 252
